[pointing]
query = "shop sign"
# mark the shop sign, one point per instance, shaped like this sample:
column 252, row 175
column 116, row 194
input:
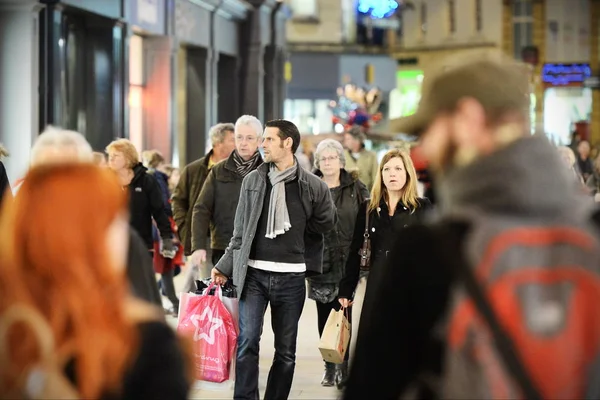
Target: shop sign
column 566, row 74
column 592, row 82
column 148, row 11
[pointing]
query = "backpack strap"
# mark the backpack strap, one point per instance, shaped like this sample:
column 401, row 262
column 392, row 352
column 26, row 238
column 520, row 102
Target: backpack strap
column 451, row 238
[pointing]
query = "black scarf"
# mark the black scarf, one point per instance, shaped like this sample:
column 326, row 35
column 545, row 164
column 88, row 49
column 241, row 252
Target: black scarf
column 245, row 167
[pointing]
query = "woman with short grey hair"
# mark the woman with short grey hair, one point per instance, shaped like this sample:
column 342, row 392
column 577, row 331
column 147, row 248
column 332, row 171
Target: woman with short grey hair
column 348, row 193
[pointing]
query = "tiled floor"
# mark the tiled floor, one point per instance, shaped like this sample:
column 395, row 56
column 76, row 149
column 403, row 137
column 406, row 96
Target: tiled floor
column 309, row 365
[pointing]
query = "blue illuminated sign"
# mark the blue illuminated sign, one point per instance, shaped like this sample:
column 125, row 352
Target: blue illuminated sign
column 377, row 8
column 565, row 74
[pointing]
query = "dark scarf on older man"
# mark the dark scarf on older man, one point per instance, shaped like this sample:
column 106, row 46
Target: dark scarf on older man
column 245, row 167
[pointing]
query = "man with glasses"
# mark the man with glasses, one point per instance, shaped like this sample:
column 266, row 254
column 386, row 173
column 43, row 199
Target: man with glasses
column 217, row 202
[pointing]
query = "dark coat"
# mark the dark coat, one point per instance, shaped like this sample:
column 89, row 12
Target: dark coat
column 382, row 231
column 216, row 205
column 185, row 194
column 347, row 199
column 140, row 272
column 163, row 182
column 145, row 203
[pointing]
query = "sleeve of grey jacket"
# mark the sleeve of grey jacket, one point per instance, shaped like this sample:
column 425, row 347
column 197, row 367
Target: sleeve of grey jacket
column 202, row 214
column 225, row 264
column 324, row 216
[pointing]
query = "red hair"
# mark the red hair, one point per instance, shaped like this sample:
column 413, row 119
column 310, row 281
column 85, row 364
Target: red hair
column 54, row 258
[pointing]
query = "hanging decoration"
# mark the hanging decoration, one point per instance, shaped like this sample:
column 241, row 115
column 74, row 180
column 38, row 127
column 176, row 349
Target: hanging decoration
column 356, row 106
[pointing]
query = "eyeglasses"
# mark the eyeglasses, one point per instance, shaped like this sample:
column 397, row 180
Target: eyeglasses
column 330, row 159
column 249, row 139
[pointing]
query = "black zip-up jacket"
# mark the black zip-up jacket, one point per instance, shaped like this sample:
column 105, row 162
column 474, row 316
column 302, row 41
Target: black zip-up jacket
column 145, row 203
column 347, row 199
column 216, row 205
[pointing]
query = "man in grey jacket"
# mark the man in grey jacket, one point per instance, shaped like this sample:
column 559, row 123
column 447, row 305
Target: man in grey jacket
column 277, row 241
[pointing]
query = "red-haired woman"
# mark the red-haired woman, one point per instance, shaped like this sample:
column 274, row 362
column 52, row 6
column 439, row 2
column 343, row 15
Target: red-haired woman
column 68, row 266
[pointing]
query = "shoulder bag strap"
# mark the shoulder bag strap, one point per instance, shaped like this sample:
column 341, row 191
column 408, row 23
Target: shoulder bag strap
column 367, row 222
column 451, row 238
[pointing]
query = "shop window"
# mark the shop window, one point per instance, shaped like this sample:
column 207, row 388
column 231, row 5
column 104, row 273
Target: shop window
column 310, row 116
column 304, row 10
column 522, row 26
column 563, row 108
column 478, row 16
column 451, row 16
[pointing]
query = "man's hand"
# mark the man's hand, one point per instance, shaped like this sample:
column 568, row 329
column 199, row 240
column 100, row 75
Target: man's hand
column 198, row 257
column 217, row 277
column 345, row 303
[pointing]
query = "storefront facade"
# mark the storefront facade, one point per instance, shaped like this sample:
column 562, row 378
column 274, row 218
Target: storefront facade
column 159, row 72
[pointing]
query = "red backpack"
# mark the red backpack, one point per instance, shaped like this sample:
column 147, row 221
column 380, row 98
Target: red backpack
column 526, row 321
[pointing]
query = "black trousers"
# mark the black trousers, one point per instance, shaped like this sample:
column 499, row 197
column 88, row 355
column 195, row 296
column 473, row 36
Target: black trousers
column 323, row 310
column 168, row 286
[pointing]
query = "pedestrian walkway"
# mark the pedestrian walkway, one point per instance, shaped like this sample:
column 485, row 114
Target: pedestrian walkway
column 309, row 365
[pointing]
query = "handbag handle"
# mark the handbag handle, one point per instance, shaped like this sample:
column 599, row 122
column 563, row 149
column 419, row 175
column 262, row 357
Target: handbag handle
column 218, row 290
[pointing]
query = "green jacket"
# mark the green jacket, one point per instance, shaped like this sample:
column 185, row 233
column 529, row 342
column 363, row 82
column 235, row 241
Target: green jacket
column 366, row 165
column 185, row 195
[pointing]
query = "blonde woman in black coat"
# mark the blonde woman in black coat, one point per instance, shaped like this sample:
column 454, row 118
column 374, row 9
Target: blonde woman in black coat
column 394, row 205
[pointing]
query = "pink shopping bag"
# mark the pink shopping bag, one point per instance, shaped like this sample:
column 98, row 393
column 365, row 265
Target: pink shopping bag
column 212, row 327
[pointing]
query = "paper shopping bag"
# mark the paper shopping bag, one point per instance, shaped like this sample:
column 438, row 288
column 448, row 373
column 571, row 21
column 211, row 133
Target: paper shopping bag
column 335, row 337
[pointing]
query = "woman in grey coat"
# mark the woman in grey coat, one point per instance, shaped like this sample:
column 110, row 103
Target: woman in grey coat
column 348, row 193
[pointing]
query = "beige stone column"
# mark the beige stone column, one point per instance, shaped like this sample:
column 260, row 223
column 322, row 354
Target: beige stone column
column 507, row 28
column 539, row 41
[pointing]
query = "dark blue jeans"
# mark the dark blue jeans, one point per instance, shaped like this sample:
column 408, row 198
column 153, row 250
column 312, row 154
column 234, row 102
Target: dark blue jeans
column 286, row 293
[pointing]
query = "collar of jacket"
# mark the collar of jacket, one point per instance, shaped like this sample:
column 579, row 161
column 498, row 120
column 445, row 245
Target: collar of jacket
column 230, row 163
column 207, row 157
column 525, row 178
column 346, row 178
column 139, row 171
column 263, row 171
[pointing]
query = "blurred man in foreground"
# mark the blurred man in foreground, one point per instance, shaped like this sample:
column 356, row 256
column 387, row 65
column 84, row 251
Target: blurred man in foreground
column 491, row 302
